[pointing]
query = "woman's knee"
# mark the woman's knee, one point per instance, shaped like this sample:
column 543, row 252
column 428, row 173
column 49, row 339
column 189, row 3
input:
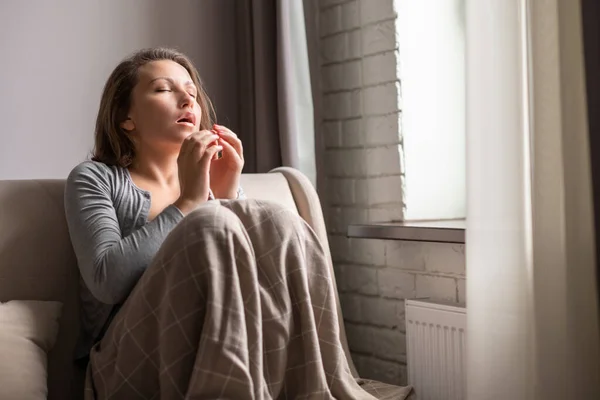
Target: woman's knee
column 209, row 225
column 211, row 218
column 254, row 212
column 281, row 215
column 209, row 221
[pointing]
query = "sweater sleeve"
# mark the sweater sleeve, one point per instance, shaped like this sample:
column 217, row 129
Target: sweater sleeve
column 110, row 264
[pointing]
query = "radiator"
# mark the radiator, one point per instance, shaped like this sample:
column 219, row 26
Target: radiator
column 436, row 350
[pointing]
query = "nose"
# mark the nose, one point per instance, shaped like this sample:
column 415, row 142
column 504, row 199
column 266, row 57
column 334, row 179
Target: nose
column 187, row 99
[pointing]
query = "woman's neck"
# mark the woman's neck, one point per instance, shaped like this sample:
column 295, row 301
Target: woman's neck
column 157, row 167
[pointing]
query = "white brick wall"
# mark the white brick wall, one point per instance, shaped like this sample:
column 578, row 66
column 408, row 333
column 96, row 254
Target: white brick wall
column 374, row 368
column 382, row 99
column 332, row 132
column 372, row 310
column 386, row 212
column 367, row 252
column 371, row 13
column 330, row 21
column 364, row 168
column 379, row 37
column 380, row 68
column 383, row 343
column 396, row 284
column 358, row 279
column 352, row 129
column 350, row 17
column 341, row 76
column 462, row 291
column 342, row 105
column 383, row 160
column 381, row 130
column 439, row 287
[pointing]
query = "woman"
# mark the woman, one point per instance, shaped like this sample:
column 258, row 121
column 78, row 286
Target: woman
column 184, row 297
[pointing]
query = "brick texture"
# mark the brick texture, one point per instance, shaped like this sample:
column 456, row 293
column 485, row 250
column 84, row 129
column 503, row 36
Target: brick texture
column 380, row 68
column 382, row 99
column 374, row 368
column 361, row 127
column 436, row 288
column 371, row 13
column 462, row 291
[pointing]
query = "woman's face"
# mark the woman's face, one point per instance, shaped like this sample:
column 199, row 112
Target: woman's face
column 164, row 109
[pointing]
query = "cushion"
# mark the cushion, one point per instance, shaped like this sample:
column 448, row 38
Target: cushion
column 28, row 331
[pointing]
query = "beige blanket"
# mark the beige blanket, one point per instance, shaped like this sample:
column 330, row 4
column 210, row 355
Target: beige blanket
column 237, row 304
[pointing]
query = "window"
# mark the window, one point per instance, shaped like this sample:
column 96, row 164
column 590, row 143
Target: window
column 431, row 69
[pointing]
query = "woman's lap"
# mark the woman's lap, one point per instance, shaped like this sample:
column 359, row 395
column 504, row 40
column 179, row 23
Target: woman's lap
column 238, row 302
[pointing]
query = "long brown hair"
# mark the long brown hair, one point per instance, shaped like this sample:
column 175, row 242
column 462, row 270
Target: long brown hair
column 112, row 145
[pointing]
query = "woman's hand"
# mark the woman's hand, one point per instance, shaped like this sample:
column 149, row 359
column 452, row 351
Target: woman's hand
column 193, row 165
column 225, row 172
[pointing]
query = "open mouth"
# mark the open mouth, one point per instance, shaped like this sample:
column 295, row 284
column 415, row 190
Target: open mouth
column 187, row 119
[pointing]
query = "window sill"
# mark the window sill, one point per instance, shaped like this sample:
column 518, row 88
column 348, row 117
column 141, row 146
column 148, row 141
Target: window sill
column 447, row 231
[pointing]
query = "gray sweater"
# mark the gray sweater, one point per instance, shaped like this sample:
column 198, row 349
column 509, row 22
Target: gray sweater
column 107, row 216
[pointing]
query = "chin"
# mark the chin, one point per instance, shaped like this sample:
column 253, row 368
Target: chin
column 173, row 138
column 184, row 130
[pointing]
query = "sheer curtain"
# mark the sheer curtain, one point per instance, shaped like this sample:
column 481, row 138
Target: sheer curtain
column 531, row 269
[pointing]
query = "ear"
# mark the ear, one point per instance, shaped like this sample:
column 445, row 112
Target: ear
column 128, row 125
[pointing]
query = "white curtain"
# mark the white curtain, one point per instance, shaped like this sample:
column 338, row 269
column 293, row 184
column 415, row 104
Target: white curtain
column 296, row 118
column 531, row 286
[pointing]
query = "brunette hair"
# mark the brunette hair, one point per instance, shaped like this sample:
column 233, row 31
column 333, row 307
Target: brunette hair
column 112, row 145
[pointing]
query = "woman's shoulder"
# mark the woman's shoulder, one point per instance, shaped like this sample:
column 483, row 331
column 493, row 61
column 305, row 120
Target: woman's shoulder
column 94, row 172
column 89, row 166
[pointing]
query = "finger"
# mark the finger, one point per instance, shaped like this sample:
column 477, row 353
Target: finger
column 202, row 135
column 231, row 139
column 190, row 141
column 228, row 149
column 224, row 129
column 226, row 134
column 200, row 143
column 199, row 151
column 208, row 139
column 209, row 154
column 186, row 146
